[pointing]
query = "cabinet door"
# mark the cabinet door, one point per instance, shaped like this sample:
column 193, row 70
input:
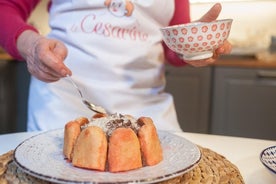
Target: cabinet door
column 244, row 102
column 8, row 100
column 14, row 87
column 22, row 93
column 190, row 88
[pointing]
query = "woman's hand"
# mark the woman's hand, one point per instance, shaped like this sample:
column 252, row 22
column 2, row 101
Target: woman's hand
column 225, row 48
column 44, row 57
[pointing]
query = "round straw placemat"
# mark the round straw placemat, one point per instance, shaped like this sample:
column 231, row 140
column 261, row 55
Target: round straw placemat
column 213, row 168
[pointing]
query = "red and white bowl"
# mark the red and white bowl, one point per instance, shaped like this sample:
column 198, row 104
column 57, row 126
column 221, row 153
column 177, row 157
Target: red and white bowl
column 197, row 40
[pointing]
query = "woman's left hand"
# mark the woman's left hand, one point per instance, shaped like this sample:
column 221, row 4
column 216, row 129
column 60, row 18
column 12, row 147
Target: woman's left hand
column 225, row 48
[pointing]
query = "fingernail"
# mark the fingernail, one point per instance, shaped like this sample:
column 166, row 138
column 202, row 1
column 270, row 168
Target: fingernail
column 64, row 72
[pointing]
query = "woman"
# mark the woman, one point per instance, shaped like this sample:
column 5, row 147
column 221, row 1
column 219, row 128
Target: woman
column 113, row 50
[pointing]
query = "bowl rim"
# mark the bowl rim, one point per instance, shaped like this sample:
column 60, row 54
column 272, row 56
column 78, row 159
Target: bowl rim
column 195, row 23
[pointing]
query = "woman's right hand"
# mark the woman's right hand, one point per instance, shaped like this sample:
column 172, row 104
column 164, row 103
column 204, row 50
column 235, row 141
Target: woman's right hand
column 44, row 57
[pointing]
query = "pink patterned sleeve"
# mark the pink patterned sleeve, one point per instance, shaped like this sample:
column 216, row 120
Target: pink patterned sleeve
column 13, row 17
column 181, row 16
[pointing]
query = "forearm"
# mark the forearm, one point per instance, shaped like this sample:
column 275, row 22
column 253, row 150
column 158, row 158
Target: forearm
column 13, row 17
column 181, row 16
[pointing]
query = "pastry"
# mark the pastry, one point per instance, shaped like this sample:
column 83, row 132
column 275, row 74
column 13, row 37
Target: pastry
column 124, row 150
column 149, row 142
column 71, row 132
column 113, row 143
column 90, row 149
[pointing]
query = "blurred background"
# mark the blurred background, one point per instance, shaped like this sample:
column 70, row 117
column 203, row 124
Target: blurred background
column 236, row 96
column 254, row 21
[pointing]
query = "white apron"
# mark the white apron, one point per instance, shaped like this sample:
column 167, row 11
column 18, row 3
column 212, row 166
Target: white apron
column 116, row 58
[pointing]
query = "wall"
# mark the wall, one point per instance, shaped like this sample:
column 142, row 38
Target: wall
column 254, row 21
column 39, row 17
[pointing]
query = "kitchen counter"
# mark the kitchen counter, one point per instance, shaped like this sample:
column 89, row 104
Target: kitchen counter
column 225, row 61
column 246, row 62
column 5, row 56
column 243, row 152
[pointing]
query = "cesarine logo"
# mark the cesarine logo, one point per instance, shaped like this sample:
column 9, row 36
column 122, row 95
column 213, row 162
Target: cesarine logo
column 119, row 8
column 90, row 24
column 95, row 24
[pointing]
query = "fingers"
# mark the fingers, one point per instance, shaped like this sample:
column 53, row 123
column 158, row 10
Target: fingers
column 42, row 72
column 57, row 54
column 201, row 63
column 46, row 60
column 226, row 48
column 212, row 14
column 59, row 50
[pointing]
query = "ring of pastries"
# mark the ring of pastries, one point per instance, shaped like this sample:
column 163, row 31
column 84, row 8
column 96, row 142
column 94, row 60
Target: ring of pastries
column 113, row 143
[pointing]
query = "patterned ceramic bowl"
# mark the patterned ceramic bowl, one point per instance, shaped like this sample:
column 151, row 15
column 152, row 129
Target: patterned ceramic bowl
column 197, row 40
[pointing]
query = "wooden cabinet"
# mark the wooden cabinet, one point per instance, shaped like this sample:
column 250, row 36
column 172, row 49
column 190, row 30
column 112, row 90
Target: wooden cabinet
column 8, row 101
column 22, row 93
column 225, row 100
column 191, row 89
column 244, row 102
column 14, row 84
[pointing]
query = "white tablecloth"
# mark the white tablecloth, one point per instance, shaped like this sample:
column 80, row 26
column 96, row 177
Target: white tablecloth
column 243, row 152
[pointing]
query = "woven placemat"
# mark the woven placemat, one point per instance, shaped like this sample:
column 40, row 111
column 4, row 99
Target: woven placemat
column 213, row 168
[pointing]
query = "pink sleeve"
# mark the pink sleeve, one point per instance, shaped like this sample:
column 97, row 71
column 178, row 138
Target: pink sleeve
column 13, row 17
column 181, row 16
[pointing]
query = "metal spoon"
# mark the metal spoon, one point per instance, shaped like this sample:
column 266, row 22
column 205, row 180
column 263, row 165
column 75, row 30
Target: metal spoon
column 91, row 106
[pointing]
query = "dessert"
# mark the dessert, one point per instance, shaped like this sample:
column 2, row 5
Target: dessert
column 71, row 132
column 124, row 150
column 113, row 143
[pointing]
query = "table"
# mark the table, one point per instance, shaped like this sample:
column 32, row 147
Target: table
column 243, row 152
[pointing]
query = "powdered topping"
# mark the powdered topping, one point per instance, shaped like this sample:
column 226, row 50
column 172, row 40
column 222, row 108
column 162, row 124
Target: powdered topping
column 114, row 121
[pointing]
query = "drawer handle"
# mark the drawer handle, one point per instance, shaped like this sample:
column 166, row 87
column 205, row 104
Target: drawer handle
column 266, row 74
